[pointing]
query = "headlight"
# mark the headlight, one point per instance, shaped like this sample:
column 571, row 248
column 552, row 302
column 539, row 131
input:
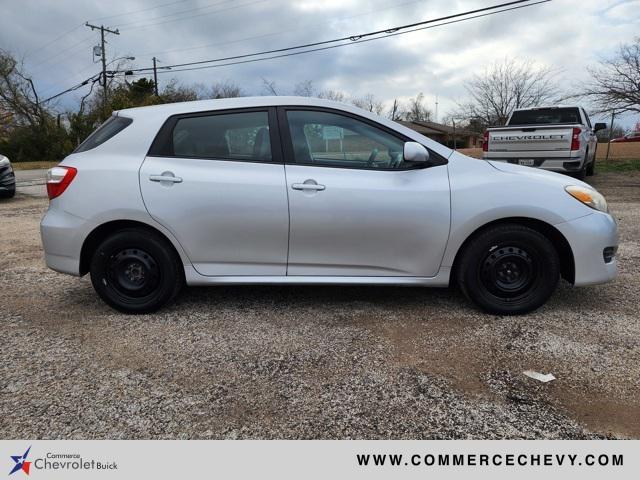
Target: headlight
column 588, row 196
column 3, row 161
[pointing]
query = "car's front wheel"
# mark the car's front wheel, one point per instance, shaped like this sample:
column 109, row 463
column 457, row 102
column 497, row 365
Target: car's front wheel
column 136, row 271
column 508, row 269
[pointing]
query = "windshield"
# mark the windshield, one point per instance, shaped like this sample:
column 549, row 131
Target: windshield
column 545, row 116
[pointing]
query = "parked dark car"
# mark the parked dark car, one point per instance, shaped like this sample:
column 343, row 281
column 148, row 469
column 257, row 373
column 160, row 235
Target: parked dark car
column 7, row 178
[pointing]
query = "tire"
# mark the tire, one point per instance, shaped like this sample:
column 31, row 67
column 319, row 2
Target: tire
column 591, row 168
column 136, row 271
column 508, row 269
column 583, row 172
column 8, row 194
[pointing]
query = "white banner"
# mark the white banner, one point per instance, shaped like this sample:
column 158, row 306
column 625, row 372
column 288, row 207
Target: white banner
column 541, row 460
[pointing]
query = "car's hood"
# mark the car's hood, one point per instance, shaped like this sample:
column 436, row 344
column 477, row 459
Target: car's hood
column 537, row 174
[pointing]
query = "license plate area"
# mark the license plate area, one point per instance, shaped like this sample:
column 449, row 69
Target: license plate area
column 526, row 162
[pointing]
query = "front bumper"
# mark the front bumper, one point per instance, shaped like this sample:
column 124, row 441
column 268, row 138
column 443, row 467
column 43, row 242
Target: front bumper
column 588, row 237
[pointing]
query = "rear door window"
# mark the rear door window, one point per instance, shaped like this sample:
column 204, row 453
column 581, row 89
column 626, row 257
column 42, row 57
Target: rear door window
column 229, row 136
column 107, row 130
column 545, row 116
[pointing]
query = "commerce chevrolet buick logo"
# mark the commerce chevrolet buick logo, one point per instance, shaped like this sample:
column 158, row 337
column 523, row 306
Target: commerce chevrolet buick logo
column 21, row 462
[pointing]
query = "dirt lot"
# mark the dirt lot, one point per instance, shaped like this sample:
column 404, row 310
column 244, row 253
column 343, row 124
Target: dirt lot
column 293, row 362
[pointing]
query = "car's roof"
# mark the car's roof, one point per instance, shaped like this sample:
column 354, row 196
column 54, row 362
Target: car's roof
column 228, row 103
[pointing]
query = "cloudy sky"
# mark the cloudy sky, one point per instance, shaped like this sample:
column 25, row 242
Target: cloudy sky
column 567, row 35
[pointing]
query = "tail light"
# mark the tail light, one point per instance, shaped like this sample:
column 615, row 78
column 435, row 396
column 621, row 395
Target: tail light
column 58, row 179
column 575, row 139
column 485, row 142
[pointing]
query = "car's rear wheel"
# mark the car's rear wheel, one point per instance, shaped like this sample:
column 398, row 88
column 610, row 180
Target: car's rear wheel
column 136, row 271
column 508, row 269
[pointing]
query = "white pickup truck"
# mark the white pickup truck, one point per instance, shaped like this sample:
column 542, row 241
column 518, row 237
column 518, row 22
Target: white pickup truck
column 553, row 138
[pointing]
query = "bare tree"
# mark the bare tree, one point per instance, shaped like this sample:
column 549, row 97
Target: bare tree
column 335, row 95
column 304, row 89
column 269, row 86
column 396, row 112
column 416, row 110
column 370, row 103
column 18, row 97
column 504, row 87
column 225, row 89
column 615, row 83
column 176, row 92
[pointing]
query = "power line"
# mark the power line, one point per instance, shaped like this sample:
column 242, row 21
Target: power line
column 93, row 78
column 80, row 25
column 348, row 43
column 132, row 26
column 49, row 60
column 156, row 53
column 351, row 41
column 280, row 32
column 174, row 13
column 350, row 38
column 45, row 45
column 136, row 11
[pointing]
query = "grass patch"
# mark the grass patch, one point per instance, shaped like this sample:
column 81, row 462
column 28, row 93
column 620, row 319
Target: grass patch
column 631, row 165
column 32, row 165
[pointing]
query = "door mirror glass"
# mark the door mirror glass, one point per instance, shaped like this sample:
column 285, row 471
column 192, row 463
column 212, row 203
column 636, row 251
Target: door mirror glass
column 599, row 126
column 415, row 152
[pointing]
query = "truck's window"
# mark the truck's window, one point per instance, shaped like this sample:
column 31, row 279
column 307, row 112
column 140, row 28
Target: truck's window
column 586, row 118
column 545, row 116
column 107, row 130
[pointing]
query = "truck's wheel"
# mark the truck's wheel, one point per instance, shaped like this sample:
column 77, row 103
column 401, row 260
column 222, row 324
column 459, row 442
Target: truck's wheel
column 508, row 269
column 591, row 169
column 582, row 173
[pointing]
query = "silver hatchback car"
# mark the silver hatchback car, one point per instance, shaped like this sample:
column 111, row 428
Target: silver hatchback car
column 287, row 190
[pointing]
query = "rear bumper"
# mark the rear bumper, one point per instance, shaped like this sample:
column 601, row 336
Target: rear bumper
column 566, row 165
column 7, row 180
column 62, row 240
column 589, row 236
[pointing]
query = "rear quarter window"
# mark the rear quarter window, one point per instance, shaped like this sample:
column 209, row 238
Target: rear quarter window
column 104, row 132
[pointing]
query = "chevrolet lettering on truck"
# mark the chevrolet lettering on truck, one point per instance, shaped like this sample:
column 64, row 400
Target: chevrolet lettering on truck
column 559, row 139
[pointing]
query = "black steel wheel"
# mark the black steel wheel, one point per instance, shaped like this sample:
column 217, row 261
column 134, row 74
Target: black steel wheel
column 136, row 271
column 508, row 269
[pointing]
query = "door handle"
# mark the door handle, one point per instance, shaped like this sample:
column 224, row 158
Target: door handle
column 165, row 177
column 308, row 185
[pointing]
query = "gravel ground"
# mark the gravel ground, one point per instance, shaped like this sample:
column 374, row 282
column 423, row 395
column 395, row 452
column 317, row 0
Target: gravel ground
column 314, row 362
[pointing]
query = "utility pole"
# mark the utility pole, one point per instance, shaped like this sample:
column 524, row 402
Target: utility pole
column 613, row 115
column 436, row 119
column 103, row 29
column 155, row 77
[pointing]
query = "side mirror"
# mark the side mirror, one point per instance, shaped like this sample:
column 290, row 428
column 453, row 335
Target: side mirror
column 415, row 152
column 599, row 126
